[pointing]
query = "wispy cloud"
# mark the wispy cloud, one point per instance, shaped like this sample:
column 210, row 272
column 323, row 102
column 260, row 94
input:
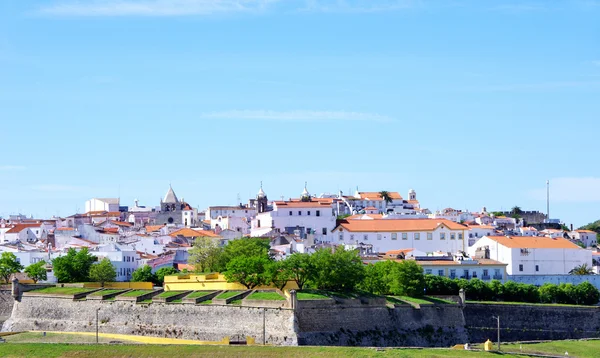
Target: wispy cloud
column 360, row 6
column 11, row 168
column 570, row 189
column 153, row 7
column 297, row 116
column 58, row 188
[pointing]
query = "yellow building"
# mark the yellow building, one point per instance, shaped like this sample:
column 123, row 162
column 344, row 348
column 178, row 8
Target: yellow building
column 210, row 282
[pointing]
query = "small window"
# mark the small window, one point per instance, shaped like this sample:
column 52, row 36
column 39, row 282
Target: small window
column 351, row 237
column 429, row 236
column 417, row 236
column 394, row 236
column 442, row 236
column 404, row 236
column 452, row 236
column 308, row 212
column 366, row 237
column 485, row 272
column 537, row 268
column 460, row 236
column 299, row 213
column 318, row 213
column 291, row 213
column 378, row 236
column 324, row 231
column 428, row 271
column 440, row 272
column 520, row 268
column 341, row 237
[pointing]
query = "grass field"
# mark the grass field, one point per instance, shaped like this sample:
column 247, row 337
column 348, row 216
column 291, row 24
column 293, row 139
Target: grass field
column 310, row 295
column 63, row 290
column 168, row 294
column 226, row 295
column 105, row 292
column 197, row 294
column 266, row 295
column 207, row 302
column 136, row 293
column 34, row 344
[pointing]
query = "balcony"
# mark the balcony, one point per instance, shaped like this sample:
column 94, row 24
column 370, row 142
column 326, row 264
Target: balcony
column 498, row 277
column 485, row 277
column 466, row 277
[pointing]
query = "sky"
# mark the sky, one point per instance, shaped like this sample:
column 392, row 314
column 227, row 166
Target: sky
column 470, row 103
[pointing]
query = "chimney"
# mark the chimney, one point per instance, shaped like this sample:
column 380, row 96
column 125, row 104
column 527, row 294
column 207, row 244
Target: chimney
column 571, row 227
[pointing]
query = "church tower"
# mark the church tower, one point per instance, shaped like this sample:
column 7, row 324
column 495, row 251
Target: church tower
column 261, row 200
column 305, row 194
column 412, row 195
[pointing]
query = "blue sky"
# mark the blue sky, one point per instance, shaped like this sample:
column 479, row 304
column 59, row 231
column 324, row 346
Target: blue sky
column 471, row 103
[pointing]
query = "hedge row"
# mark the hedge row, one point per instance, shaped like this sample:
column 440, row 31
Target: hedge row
column 476, row 290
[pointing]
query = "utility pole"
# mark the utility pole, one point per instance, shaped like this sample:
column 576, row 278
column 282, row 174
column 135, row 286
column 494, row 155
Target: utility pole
column 97, row 311
column 498, row 319
column 264, row 326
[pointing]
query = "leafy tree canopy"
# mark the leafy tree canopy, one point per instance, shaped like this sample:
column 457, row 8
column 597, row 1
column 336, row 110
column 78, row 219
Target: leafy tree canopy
column 143, row 274
column 37, row 271
column 74, row 266
column 103, row 271
column 250, row 271
column 9, row 265
column 162, row 272
column 205, row 254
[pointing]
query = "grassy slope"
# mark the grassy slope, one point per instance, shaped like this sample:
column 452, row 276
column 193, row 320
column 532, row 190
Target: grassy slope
column 169, row 294
column 227, row 294
column 105, row 292
column 197, row 294
column 63, row 290
column 136, row 293
column 272, row 296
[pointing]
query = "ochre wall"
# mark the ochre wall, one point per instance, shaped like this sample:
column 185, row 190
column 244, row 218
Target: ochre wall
column 210, row 282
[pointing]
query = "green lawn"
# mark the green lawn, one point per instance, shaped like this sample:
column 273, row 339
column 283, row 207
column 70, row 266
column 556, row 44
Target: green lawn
column 63, row 290
column 136, row 293
column 50, row 349
column 179, row 300
column 207, row 302
column 51, row 337
column 227, row 294
column 236, row 302
column 105, row 292
column 266, row 295
column 311, row 295
column 197, row 294
column 168, row 294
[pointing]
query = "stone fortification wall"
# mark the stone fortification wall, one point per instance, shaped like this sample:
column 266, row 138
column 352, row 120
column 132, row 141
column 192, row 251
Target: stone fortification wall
column 211, row 323
column 6, row 303
column 429, row 326
column 531, row 322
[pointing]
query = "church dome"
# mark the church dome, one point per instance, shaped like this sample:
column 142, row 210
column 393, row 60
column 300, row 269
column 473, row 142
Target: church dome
column 261, row 193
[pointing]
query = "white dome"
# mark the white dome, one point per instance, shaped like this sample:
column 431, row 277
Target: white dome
column 261, row 193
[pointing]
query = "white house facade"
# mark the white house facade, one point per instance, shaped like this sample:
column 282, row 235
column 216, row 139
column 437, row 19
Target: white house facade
column 426, row 235
column 533, row 255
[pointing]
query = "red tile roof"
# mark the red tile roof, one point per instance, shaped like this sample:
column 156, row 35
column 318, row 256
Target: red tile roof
column 397, row 225
column 534, row 242
column 187, row 232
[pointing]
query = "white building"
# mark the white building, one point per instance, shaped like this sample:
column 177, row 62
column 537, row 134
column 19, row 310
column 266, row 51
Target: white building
column 102, row 204
column 483, row 269
column 587, row 237
column 533, row 255
column 124, row 259
column 453, row 215
column 365, row 199
column 427, row 235
column 528, row 231
column 476, row 232
column 302, row 217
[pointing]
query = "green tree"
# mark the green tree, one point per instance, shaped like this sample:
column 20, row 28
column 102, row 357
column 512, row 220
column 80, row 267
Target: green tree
column 375, row 279
column 341, row 270
column 37, row 271
column 549, row 293
column 242, row 248
column 385, row 195
column 440, row 285
column 478, row 290
column 497, row 289
column 143, row 274
column 277, row 274
column 407, row 279
column 9, row 265
column 205, row 254
column 103, row 271
column 249, row 271
column 74, row 266
column 162, row 272
column 300, row 268
column 583, row 269
column 587, row 294
column 516, row 212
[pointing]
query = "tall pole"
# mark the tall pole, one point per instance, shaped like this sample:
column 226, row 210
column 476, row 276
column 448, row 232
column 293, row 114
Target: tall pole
column 97, row 310
column 548, row 200
column 264, row 327
column 498, row 319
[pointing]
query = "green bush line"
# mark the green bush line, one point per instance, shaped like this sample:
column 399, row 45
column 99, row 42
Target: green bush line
column 477, row 290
